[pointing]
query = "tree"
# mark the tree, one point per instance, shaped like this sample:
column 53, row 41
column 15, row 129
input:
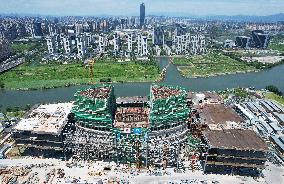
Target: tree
column 2, row 85
column 274, row 89
column 163, row 52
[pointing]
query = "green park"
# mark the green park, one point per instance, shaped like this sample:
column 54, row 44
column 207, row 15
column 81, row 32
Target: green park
column 42, row 76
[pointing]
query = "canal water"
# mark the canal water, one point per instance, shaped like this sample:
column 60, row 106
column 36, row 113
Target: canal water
column 259, row 80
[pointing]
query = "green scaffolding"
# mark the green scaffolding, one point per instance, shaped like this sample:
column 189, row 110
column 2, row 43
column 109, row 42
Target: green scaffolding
column 131, row 148
column 95, row 112
column 165, row 111
column 193, row 143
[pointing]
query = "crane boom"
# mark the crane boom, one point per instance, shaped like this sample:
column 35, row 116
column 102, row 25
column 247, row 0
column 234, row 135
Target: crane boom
column 91, row 69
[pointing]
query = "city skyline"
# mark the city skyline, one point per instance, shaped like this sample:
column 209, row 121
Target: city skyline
column 157, row 7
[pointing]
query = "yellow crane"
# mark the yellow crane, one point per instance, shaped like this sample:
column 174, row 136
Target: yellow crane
column 91, row 64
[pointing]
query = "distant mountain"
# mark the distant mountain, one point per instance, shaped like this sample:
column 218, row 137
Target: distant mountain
column 246, row 18
column 237, row 18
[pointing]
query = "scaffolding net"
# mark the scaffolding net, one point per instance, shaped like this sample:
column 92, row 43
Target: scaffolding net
column 168, row 105
column 95, row 107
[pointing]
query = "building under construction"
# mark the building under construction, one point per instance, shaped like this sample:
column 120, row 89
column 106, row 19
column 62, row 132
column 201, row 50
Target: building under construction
column 43, row 128
column 93, row 137
column 135, row 130
column 234, row 151
column 168, row 124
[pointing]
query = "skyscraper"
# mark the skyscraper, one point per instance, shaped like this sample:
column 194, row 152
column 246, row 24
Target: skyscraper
column 158, row 36
column 142, row 15
column 260, row 39
column 37, row 29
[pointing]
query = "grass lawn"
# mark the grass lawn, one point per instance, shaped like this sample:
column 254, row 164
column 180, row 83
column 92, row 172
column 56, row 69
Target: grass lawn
column 23, row 47
column 277, row 98
column 18, row 47
column 210, row 64
column 17, row 114
column 55, row 75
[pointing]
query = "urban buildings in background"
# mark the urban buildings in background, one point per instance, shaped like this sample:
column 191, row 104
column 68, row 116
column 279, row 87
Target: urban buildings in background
column 125, row 37
column 129, row 37
column 259, row 39
column 5, row 49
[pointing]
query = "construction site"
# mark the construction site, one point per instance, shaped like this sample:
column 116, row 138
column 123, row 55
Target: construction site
column 140, row 131
column 168, row 129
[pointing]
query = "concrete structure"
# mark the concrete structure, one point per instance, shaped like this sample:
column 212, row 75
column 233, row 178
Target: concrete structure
column 53, row 44
column 67, row 44
column 243, row 42
column 37, row 30
column 142, row 45
column 168, row 124
column 81, row 41
column 102, row 43
column 5, row 49
column 130, row 39
column 197, row 44
column 188, row 44
column 116, row 44
column 89, row 39
column 93, row 136
column 219, row 116
column 136, row 132
column 78, row 28
column 260, row 39
column 229, row 44
column 43, row 128
column 234, row 152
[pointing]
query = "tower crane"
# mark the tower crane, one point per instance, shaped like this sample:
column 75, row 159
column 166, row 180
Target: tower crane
column 91, row 64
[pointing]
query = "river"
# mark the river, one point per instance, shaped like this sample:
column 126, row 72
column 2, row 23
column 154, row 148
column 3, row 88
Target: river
column 259, row 80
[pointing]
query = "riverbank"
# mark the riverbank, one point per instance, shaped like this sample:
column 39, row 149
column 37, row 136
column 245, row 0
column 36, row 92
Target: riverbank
column 213, row 75
column 259, row 80
column 29, row 77
column 215, row 64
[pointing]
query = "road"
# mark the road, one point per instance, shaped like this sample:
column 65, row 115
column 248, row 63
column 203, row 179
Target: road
column 272, row 174
column 11, row 64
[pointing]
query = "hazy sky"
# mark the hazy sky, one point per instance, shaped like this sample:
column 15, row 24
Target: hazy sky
column 131, row 7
